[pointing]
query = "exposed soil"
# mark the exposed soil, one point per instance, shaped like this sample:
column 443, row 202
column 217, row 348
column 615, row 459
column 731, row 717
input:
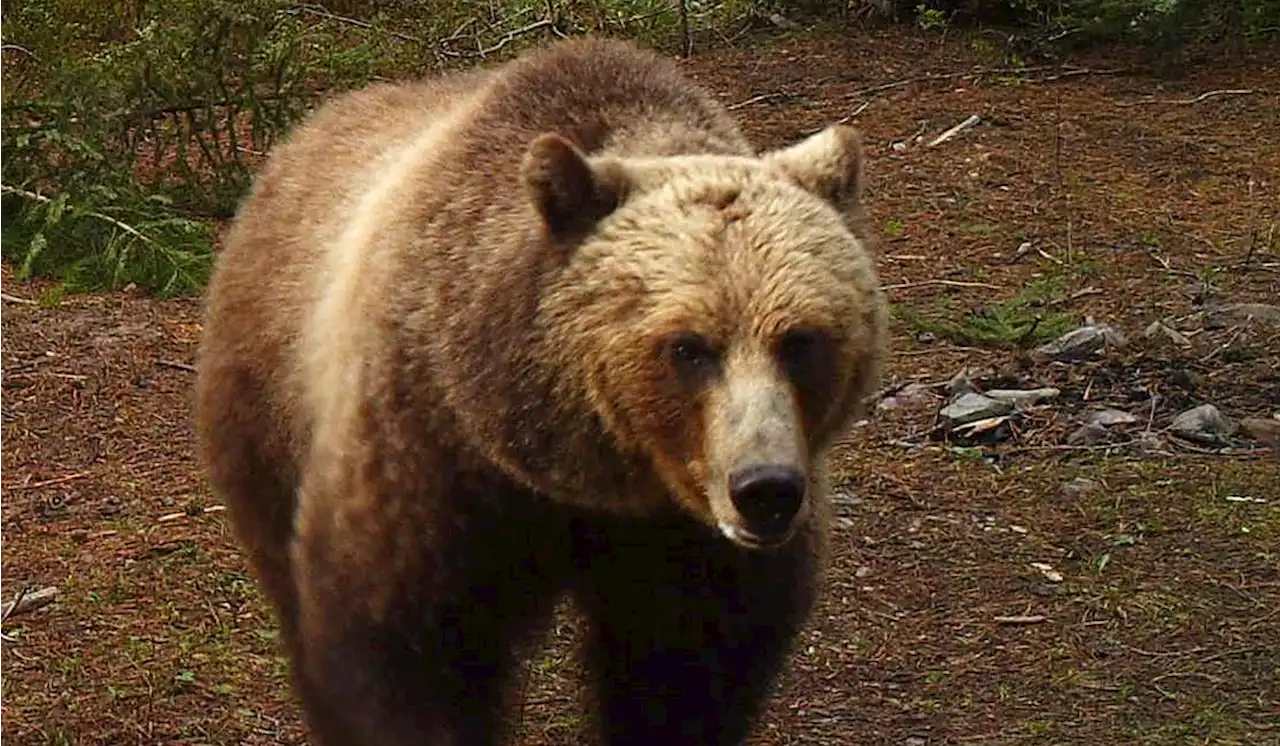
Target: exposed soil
column 1153, row 617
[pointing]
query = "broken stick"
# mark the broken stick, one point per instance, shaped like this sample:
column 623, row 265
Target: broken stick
column 26, row 602
column 966, row 124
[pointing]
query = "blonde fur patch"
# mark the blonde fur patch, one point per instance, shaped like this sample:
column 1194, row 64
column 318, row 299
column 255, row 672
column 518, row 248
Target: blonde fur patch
column 334, row 340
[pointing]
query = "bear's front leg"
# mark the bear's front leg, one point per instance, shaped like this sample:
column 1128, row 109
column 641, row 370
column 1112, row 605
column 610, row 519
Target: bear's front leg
column 688, row 632
column 409, row 613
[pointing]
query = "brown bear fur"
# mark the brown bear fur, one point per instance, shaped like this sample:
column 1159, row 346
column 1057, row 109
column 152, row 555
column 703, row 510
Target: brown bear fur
column 478, row 342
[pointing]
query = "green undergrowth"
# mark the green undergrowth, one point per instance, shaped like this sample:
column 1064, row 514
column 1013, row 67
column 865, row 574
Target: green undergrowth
column 1021, row 321
column 132, row 126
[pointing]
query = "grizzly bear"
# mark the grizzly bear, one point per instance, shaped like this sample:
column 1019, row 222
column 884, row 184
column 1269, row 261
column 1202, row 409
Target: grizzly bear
column 545, row 329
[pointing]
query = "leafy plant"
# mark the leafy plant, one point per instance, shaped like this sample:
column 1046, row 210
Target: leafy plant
column 1018, row 322
column 126, row 133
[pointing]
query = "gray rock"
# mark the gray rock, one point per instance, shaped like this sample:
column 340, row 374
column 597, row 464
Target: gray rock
column 972, row 407
column 1080, row 343
column 1266, row 431
column 1079, row 486
column 1264, row 312
column 1160, row 330
column 1148, row 443
column 1024, row 398
column 1109, row 417
column 1088, row 435
column 1203, row 423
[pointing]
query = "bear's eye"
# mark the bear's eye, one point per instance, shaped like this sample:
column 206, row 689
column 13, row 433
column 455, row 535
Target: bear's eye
column 801, row 351
column 692, row 356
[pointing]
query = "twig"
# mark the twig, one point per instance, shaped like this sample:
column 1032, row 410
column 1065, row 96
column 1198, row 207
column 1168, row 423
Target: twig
column 971, row 121
column 1065, row 73
column 856, row 111
column 6, row 189
column 1224, row 452
column 19, row 48
column 315, row 10
column 914, row 137
column 50, row 482
column 758, row 99
column 682, row 8
column 29, row 601
column 175, row 364
column 1226, row 345
column 947, row 283
column 15, row 299
column 1164, row 654
column 1186, row 101
column 938, row 350
column 1077, row 295
column 504, row 41
column 1028, row 619
column 188, row 514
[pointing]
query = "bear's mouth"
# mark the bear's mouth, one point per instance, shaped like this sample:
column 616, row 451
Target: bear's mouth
column 750, row 540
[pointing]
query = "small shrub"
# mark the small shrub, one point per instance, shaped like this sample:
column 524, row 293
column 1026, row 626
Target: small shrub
column 126, row 132
column 1015, row 323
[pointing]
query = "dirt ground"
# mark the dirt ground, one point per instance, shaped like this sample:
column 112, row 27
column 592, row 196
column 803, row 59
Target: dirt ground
column 1029, row 591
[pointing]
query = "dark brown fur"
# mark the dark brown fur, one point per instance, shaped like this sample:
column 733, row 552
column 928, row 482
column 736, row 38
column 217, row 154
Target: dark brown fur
column 409, row 550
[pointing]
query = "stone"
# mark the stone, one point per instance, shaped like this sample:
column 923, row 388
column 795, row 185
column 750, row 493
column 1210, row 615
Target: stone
column 1203, row 423
column 1109, row 417
column 1025, row 398
column 1080, row 343
column 1080, row 486
column 972, row 406
column 1263, row 430
column 1088, row 435
column 1264, row 312
column 1159, row 330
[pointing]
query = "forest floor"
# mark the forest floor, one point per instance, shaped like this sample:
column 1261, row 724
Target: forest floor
column 1034, row 586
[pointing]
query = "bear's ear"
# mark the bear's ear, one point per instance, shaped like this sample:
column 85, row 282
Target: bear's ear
column 828, row 164
column 570, row 192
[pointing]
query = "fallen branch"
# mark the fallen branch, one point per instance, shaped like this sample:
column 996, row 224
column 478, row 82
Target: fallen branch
column 938, row 350
column 15, row 299
column 320, row 12
column 1064, row 73
column 1187, row 101
column 857, row 111
column 846, row 119
column 29, row 601
column 1077, row 295
column 504, row 41
column 18, row 48
column 966, row 124
column 176, row 365
column 686, row 46
column 189, row 514
column 6, row 189
column 50, row 482
column 758, row 99
column 1028, row 619
column 947, row 283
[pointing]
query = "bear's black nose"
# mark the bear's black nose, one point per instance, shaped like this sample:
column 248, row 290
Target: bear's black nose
column 768, row 497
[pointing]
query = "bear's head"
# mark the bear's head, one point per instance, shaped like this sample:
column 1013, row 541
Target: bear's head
column 719, row 314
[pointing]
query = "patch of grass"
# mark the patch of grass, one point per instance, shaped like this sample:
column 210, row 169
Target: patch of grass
column 1018, row 322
